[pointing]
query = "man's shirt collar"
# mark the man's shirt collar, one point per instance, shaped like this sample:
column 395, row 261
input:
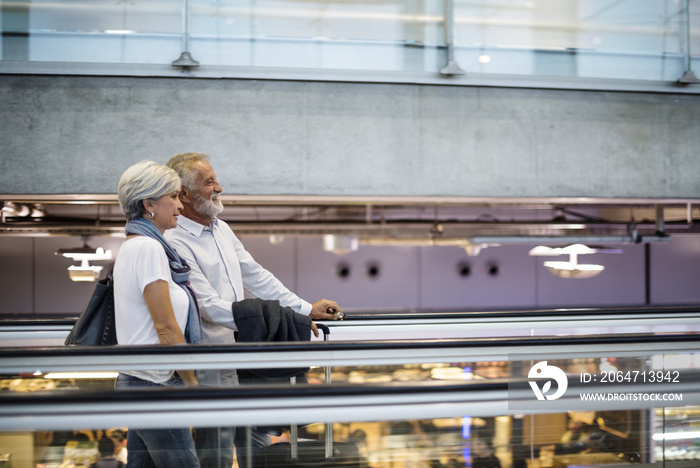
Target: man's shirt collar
column 193, row 226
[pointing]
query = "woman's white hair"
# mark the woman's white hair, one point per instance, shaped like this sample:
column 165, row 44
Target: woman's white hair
column 146, row 180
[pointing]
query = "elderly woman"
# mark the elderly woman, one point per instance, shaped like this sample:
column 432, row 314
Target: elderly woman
column 153, row 304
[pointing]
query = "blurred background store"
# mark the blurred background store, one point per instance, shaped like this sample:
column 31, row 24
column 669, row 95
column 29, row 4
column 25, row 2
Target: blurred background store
column 434, row 143
column 396, row 156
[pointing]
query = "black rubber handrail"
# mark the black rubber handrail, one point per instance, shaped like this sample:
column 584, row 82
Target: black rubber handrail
column 420, row 314
column 337, row 346
column 524, row 313
column 282, row 391
column 273, row 391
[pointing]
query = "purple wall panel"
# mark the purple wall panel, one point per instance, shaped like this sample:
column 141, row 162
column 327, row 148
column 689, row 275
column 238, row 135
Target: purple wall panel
column 34, row 280
column 675, row 276
column 452, row 279
column 16, row 275
column 394, row 286
column 277, row 258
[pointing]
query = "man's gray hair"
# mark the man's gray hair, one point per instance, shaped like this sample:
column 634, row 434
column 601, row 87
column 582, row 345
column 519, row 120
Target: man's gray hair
column 146, row 180
column 182, row 164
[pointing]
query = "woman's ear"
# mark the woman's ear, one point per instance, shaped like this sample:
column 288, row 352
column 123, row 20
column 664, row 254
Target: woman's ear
column 147, row 206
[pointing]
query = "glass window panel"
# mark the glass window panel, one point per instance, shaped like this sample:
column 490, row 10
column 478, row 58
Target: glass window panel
column 581, row 38
column 676, row 433
column 366, row 35
column 387, row 20
column 568, row 438
column 90, row 16
column 546, row 440
column 618, row 39
column 146, row 31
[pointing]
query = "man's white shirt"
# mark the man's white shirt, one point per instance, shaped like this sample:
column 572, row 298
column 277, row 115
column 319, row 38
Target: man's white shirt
column 221, row 271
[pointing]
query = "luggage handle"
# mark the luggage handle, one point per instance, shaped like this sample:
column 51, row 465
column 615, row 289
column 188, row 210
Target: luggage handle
column 294, row 441
column 293, row 430
column 325, row 329
column 326, row 333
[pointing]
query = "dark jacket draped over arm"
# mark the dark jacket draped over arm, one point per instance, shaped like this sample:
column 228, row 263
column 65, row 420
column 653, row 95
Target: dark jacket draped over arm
column 267, row 321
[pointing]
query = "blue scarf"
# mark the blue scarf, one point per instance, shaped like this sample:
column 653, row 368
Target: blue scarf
column 179, row 270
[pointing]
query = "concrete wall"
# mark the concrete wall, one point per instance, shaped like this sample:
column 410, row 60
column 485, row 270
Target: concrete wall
column 77, row 134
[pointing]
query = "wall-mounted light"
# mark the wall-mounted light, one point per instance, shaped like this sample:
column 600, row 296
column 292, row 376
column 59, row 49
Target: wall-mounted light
column 343, row 270
column 85, row 271
column 464, row 269
column 374, row 269
column 571, row 269
column 493, row 268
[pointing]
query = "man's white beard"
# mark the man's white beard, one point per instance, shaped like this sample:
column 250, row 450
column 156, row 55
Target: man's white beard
column 208, row 208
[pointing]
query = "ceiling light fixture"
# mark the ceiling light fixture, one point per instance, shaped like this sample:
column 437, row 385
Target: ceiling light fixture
column 571, row 269
column 340, row 245
column 85, row 271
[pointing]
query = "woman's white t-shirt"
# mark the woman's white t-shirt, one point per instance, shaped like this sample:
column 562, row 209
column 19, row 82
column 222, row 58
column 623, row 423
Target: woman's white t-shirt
column 140, row 262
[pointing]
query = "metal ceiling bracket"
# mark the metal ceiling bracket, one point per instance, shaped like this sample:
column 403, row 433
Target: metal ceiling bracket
column 689, row 213
column 633, row 232
column 660, row 230
column 185, row 61
column 688, row 77
column 452, row 68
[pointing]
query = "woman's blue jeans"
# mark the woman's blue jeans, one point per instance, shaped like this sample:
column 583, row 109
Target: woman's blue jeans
column 158, row 448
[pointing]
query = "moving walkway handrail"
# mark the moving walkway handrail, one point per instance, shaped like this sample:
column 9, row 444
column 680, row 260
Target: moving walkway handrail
column 284, row 404
column 435, row 324
column 517, row 323
column 425, row 314
column 340, row 353
column 412, row 315
column 248, row 405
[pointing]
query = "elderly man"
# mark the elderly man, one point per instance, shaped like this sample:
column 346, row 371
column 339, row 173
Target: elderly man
column 221, row 270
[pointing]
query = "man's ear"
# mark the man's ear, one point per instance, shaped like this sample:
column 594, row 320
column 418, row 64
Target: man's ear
column 185, row 195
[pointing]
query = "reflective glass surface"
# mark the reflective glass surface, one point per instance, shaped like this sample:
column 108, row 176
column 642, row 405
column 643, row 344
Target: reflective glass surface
column 641, row 433
column 82, row 31
column 553, row 440
column 589, row 38
column 568, row 439
column 364, row 35
column 592, row 39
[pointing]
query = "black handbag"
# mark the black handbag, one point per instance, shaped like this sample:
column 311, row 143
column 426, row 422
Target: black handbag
column 95, row 326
